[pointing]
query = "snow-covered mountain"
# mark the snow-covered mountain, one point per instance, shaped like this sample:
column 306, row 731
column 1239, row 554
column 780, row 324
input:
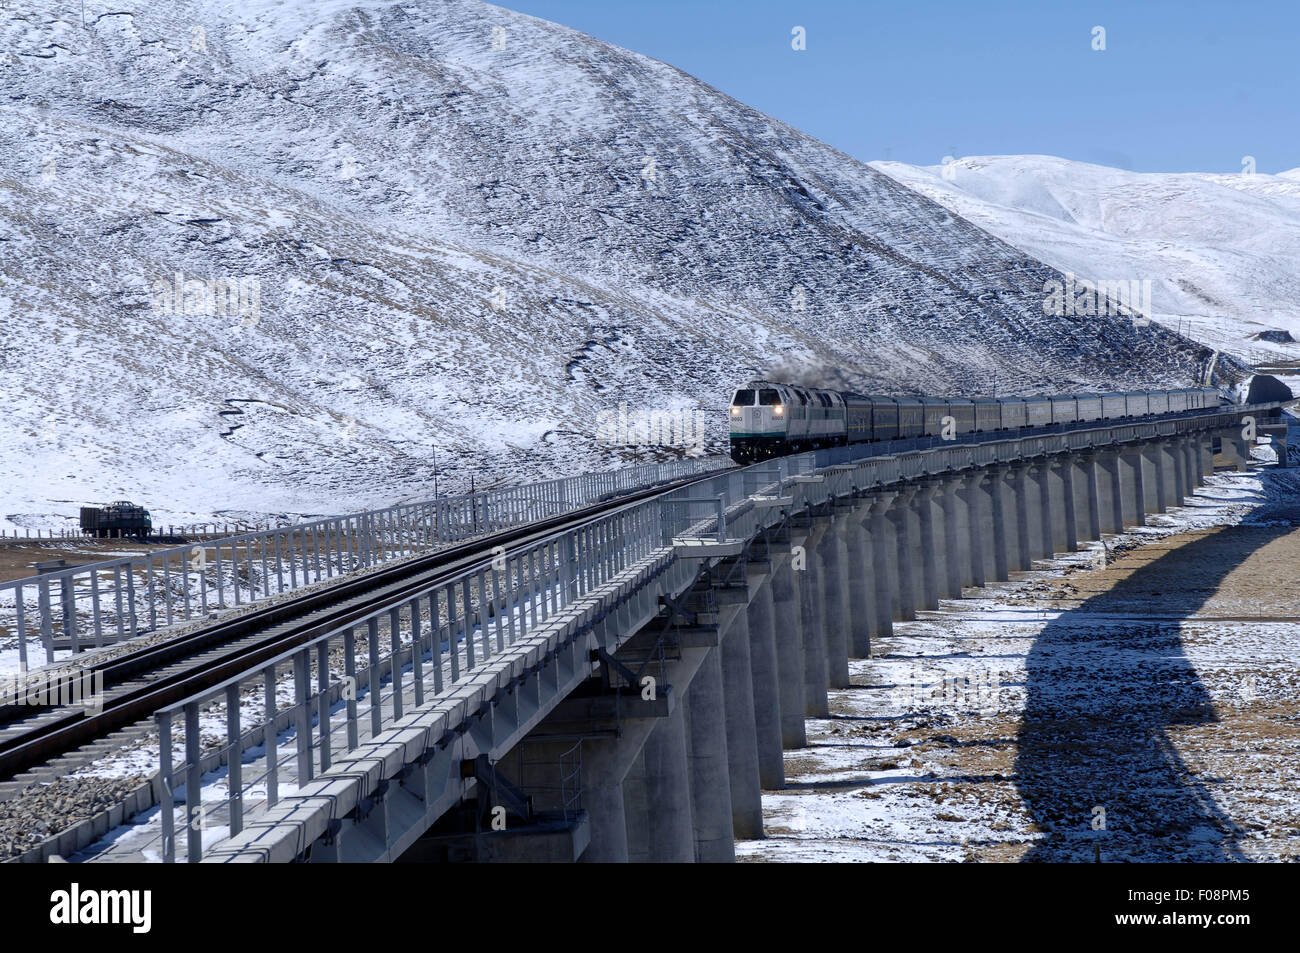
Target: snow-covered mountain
column 274, row 256
column 1222, row 252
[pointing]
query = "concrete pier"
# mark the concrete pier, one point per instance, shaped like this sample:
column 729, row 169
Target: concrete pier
column 903, row 574
column 1041, row 473
column 1132, row 489
column 882, row 543
column 1177, row 464
column 923, row 503
column 1069, row 513
column 788, row 640
column 766, row 680
column 671, row 836
column 956, row 557
column 997, row 492
column 710, row 777
column 1112, row 515
column 1086, row 464
column 833, row 567
column 978, row 528
column 1024, row 536
column 860, row 581
column 741, row 731
column 812, row 630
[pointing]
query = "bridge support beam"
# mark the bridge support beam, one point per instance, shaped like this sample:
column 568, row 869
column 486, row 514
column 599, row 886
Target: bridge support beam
column 976, row 526
column 788, row 627
column 923, row 504
column 1182, row 459
column 608, row 818
column 882, row 555
column 833, row 566
column 1065, row 527
column 766, row 675
column 1048, row 513
column 1243, row 453
column 710, row 780
column 956, row 540
column 1175, row 472
column 1132, row 493
column 613, row 775
column 1233, row 450
column 1023, row 537
column 1192, row 463
column 1192, row 449
column 998, row 512
column 863, row 619
column 814, row 640
column 1149, row 457
column 742, row 735
column 1112, row 498
column 904, row 582
column 670, row 830
column 1087, row 496
column 1204, row 455
column 1040, row 473
column 607, row 764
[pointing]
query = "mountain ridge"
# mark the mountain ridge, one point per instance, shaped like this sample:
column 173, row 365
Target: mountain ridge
column 463, row 254
column 1221, row 250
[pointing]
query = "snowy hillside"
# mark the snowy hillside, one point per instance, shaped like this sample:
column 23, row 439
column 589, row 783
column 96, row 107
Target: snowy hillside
column 1222, row 252
column 442, row 227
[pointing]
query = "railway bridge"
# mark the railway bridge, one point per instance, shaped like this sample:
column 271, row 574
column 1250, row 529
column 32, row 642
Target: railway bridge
column 623, row 689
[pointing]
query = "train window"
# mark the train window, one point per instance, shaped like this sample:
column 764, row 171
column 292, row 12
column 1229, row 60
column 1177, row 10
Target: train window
column 743, row 398
column 826, row 401
column 767, row 397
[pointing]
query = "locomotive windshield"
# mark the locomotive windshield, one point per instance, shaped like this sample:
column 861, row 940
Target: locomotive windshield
column 744, row 398
column 768, row 396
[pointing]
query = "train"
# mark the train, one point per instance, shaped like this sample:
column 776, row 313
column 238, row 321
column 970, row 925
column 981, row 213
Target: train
column 771, row 419
column 118, row 519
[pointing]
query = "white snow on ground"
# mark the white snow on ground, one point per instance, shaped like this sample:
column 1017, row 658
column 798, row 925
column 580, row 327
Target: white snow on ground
column 1222, row 250
column 463, row 247
column 140, row 837
column 927, row 758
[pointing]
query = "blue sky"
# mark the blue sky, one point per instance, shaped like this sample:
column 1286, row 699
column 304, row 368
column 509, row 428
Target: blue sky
column 1181, row 86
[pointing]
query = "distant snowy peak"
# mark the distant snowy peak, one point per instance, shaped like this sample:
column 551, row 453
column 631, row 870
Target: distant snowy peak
column 1221, row 251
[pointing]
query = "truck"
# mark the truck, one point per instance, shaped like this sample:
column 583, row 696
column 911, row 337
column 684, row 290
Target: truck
column 118, row 519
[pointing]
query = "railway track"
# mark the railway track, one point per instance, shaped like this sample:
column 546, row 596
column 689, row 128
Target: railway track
column 140, row 683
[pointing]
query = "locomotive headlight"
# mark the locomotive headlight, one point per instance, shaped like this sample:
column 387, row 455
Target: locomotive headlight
column 735, row 411
column 778, row 410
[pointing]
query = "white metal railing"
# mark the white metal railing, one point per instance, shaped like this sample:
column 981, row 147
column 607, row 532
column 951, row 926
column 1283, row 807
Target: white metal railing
column 351, row 682
column 68, row 610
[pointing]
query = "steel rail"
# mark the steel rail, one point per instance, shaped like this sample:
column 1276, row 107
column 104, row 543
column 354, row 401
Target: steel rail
column 76, row 727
